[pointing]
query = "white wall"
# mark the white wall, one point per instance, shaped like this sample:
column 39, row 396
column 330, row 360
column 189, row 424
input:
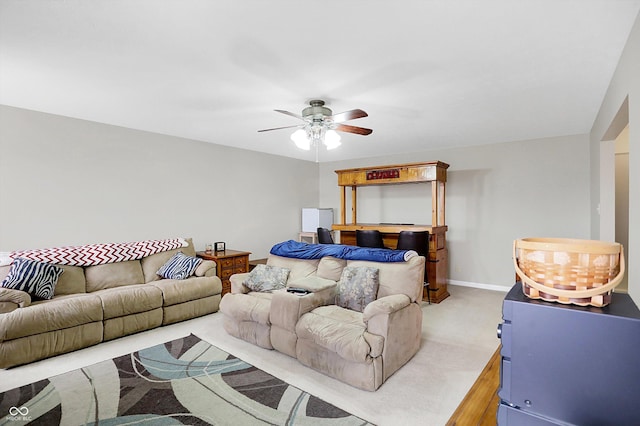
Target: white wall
column 621, row 202
column 66, row 181
column 606, row 205
column 495, row 194
column 624, row 86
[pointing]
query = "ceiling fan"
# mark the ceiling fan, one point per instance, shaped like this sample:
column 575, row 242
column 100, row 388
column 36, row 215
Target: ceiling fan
column 320, row 125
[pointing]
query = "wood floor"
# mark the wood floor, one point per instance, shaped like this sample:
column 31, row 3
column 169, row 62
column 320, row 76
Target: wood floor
column 480, row 405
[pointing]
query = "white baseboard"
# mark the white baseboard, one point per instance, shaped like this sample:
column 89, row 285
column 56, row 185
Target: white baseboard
column 492, row 287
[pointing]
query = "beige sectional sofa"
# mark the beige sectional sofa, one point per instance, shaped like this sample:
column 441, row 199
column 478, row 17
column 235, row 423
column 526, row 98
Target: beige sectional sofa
column 362, row 349
column 93, row 304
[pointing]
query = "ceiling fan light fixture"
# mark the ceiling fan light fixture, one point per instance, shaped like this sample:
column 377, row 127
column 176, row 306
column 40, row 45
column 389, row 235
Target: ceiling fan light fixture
column 316, row 131
column 320, row 126
column 299, row 137
column 332, row 139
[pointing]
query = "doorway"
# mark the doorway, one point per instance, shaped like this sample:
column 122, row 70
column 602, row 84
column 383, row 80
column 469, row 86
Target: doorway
column 622, row 194
column 614, row 184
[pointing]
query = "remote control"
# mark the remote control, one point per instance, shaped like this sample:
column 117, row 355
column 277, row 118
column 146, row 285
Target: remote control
column 297, row 290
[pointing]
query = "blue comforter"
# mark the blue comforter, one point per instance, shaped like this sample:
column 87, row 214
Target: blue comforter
column 300, row 250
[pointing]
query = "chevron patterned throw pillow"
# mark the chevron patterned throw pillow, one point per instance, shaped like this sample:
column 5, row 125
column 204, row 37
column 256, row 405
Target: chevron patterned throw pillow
column 39, row 279
column 179, row 267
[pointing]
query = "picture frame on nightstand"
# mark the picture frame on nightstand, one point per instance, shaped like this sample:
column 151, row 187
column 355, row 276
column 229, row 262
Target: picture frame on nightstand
column 219, row 246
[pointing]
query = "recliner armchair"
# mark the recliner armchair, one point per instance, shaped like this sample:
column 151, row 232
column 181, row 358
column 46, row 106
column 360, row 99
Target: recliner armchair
column 365, row 348
column 359, row 348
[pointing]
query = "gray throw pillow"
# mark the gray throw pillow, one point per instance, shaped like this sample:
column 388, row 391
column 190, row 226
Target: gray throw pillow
column 358, row 286
column 267, row 278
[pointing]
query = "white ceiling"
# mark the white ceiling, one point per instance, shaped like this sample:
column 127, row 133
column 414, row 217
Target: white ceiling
column 431, row 74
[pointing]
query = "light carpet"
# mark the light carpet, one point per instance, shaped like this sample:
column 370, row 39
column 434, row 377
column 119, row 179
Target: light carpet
column 458, row 339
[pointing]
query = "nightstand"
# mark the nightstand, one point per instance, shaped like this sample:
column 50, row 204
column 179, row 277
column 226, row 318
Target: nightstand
column 228, row 262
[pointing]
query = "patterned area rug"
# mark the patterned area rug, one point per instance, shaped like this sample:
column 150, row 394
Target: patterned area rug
column 185, row 381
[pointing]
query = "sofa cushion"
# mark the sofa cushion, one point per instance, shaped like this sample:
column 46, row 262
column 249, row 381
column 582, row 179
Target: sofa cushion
column 133, row 299
column 252, row 307
column 132, row 323
column 47, row 344
column 267, row 278
column 49, row 315
column 300, row 268
column 341, row 331
column 398, row 277
column 179, row 267
column 331, row 268
column 358, row 286
column 39, row 279
column 180, row 291
column 151, row 264
column 72, row 281
column 112, row 275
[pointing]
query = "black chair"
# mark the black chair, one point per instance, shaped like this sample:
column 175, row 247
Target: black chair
column 324, row 236
column 419, row 242
column 369, row 238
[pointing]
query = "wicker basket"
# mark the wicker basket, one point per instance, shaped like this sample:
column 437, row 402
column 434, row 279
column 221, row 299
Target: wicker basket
column 579, row 272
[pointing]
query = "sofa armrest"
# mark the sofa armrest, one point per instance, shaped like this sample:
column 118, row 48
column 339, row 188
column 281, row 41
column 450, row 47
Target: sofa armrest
column 11, row 299
column 398, row 323
column 237, row 285
column 207, row 268
column 385, row 306
column 287, row 308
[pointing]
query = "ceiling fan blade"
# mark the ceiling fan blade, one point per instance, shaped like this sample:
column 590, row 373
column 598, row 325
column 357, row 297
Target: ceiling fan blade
column 278, row 128
column 289, row 113
column 349, row 115
column 353, row 129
